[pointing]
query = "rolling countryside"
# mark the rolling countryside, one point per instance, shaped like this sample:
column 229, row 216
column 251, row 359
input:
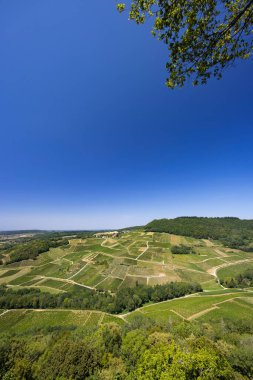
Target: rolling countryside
column 128, row 260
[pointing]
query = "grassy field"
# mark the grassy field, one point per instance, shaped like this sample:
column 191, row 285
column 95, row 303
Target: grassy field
column 134, row 257
column 232, row 271
column 199, row 307
column 234, row 310
column 217, row 316
column 209, row 307
column 25, row 321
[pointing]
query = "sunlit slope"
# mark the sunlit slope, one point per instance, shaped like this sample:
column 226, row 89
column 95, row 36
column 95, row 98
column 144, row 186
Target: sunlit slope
column 35, row 321
column 231, row 306
column 233, row 232
column 211, row 308
column 135, row 257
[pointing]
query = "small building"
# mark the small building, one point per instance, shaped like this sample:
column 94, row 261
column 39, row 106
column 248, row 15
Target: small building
column 107, row 234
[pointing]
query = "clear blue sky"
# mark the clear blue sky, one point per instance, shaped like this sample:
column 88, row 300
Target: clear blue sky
column 91, row 137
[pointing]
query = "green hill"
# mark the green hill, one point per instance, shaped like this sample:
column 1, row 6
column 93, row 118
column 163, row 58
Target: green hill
column 95, row 308
column 232, row 232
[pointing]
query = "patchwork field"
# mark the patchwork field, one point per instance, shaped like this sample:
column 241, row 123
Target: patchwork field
column 30, row 321
column 208, row 308
column 234, row 270
column 108, row 264
column 205, row 308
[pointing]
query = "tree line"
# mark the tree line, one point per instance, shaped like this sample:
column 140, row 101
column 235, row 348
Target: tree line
column 181, row 249
column 124, row 300
column 140, row 350
column 232, row 232
column 242, row 280
column 29, row 250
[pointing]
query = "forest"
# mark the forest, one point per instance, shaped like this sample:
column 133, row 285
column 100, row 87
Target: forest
column 123, row 332
column 242, row 280
column 124, row 300
column 29, row 250
column 141, row 350
column 181, row 249
column 232, row 232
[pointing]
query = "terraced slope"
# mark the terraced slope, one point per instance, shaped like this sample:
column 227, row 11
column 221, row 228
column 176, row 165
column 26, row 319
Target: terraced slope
column 133, row 257
column 205, row 308
column 208, row 307
column 31, row 321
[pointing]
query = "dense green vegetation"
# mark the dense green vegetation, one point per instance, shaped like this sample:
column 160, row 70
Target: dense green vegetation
column 127, row 299
column 136, row 351
column 31, row 249
column 243, row 280
column 181, row 249
column 232, row 232
column 62, row 234
column 202, row 37
column 90, row 308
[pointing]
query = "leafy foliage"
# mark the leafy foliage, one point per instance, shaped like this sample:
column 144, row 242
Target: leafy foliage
column 152, row 343
column 30, row 250
column 243, row 280
column 112, row 353
column 127, row 299
column 200, row 363
column 233, row 232
column 181, row 249
column 203, row 37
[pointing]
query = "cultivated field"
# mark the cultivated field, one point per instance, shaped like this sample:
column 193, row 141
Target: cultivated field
column 108, row 264
column 35, row 321
column 205, row 307
column 131, row 258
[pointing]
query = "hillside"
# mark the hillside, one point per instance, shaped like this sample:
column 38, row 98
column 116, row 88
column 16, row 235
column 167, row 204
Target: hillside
column 134, row 292
column 108, row 273
column 110, row 264
column 232, row 232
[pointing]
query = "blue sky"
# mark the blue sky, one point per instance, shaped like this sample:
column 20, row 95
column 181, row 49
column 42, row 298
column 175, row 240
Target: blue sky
column 91, row 137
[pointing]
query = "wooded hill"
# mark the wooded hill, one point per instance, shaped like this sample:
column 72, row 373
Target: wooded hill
column 232, row 232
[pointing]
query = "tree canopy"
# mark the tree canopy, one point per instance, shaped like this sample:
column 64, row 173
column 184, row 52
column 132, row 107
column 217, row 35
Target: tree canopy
column 203, row 37
column 232, row 232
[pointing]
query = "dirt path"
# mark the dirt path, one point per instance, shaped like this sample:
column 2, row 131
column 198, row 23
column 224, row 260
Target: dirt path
column 87, row 312
column 160, row 275
column 215, row 306
column 213, row 270
column 65, row 280
column 147, row 276
column 205, row 260
column 80, row 270
column 100, row 282
column 6, row 311
column 222, row 254
column 48, row 287
column 101, row 319
column 132, row 258
column 175, row 312
column 88, row 261
column 142, row 253
column 22, row 272
column 140, row 309
column 202, row 312
column 70, row 261
column 104, row 242
column 189, row 269
column 244, row 305
column 208, row 242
